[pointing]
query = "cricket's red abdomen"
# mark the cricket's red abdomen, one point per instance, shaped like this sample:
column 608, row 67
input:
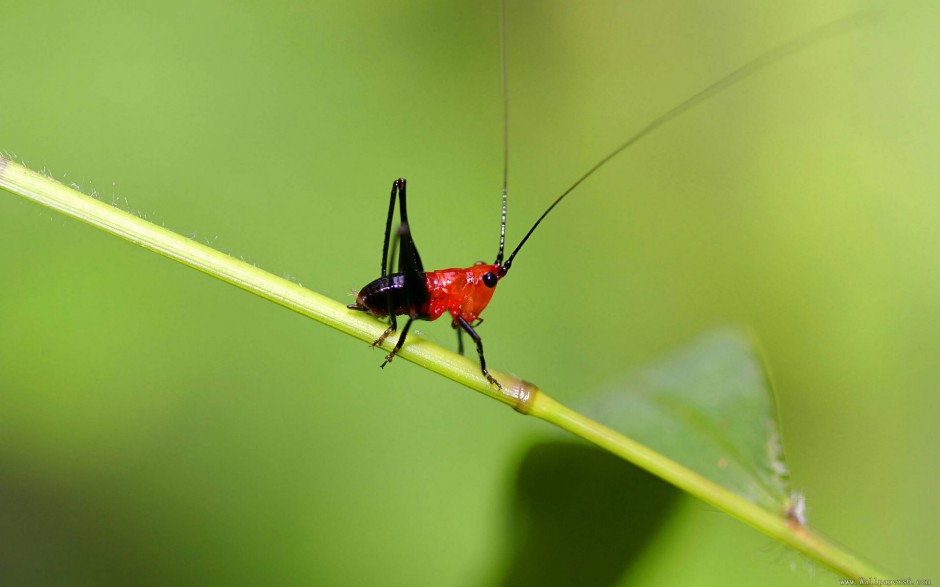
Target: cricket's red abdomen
column 462, row 292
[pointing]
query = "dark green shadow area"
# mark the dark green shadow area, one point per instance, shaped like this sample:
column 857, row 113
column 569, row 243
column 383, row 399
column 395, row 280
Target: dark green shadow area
column 581, row 516
column 50, row 536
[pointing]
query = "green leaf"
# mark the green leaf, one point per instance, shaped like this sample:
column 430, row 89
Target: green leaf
column 710, row 408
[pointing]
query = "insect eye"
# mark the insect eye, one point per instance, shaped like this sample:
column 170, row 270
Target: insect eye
column 489, row 279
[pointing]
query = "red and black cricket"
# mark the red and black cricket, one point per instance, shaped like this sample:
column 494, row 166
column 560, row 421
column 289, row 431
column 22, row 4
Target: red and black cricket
column 420, row 295
column 465, row 293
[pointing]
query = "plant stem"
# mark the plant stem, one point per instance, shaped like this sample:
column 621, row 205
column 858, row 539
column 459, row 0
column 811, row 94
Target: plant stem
column 775, row 525
column 522, row 396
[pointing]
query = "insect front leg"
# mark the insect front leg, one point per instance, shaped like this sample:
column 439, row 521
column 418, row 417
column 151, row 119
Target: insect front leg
column 456, row 327
column 479, row 342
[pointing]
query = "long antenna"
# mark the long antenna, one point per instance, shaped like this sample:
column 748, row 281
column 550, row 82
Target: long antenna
column 817, row 35
column 504, row 67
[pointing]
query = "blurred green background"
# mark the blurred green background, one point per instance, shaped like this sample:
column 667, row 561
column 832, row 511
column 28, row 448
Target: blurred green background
column 160, row 427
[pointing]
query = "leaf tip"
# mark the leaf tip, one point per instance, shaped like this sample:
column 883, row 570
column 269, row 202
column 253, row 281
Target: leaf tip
column 796, row 509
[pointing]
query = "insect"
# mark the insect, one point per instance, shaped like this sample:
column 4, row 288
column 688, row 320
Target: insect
column 464, row 293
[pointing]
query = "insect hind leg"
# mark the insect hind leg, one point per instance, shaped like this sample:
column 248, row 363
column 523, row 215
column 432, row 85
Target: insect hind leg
column 399, row 344
column 392, row 328
column 398, row 184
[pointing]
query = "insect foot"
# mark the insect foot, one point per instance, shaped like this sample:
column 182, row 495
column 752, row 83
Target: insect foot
column 381, row 339
column 492, row 380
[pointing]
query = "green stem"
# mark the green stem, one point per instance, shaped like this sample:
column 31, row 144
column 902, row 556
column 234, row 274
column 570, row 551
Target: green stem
column 778, row 526
column 522, row 396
